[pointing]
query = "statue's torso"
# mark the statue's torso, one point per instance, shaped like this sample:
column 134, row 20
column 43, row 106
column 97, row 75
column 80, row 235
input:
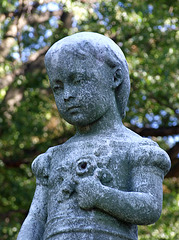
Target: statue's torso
column 65, row 217
column 118, row 158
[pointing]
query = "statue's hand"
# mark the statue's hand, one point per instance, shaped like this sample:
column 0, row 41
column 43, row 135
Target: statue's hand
column 88, row 190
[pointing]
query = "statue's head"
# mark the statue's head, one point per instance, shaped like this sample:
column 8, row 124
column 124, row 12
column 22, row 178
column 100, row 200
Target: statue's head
column 90, row 49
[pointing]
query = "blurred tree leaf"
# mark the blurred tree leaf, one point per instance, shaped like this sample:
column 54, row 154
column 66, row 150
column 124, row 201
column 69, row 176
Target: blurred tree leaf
column 146, row 31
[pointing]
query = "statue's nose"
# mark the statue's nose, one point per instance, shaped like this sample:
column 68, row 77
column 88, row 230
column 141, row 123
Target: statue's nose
column 68, row 93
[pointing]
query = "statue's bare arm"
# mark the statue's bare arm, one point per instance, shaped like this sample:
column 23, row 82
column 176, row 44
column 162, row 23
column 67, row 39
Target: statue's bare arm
column 33, row 226
column 143, row 203
column 141, row 206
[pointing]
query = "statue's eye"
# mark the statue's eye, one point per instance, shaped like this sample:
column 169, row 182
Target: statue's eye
column 59, row 85
column 78, row 79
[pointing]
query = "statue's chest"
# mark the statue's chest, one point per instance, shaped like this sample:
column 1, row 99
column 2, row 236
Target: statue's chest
column 75, row 161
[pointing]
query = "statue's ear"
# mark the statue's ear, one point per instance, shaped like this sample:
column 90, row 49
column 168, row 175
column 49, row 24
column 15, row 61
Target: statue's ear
column 117, row 80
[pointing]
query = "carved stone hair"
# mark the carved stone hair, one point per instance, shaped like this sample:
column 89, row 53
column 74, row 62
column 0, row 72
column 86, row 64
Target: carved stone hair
column 102, row 48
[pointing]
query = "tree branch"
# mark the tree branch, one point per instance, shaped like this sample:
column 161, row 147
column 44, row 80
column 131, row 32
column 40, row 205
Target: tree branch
column 13, row 212
column 174, row 171
column 173, row 152
column 161, row 131
column 31, row 153
column 36, row 19
column 35, row 61
column 19, row 22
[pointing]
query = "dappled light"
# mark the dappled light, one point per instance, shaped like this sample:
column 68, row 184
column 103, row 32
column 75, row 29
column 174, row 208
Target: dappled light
column 147, row 33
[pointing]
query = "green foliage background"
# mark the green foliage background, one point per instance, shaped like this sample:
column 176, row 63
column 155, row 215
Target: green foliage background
column 147, row 32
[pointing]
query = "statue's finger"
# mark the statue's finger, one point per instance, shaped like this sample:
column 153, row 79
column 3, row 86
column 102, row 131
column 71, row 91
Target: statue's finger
column 76, row 180
column 98, row 173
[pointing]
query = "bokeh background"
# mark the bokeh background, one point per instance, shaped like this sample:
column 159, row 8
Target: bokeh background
column 146, row 31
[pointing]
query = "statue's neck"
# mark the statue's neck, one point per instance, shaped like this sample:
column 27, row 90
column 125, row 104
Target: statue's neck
column 109, row 122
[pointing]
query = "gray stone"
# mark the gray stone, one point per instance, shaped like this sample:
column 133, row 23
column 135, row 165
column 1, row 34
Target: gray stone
column 106, row 179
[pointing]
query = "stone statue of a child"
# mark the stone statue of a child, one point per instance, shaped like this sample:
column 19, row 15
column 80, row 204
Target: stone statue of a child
column 106, row 179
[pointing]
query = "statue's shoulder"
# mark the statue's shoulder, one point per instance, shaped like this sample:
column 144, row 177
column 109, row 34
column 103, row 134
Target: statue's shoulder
column 132, row 139
column 41, row 165
column 146, row 152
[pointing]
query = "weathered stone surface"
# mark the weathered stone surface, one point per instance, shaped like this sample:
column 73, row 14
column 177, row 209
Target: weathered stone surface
column 106, row 179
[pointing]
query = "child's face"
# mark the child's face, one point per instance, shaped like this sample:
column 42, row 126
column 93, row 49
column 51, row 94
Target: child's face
column 82, row 88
